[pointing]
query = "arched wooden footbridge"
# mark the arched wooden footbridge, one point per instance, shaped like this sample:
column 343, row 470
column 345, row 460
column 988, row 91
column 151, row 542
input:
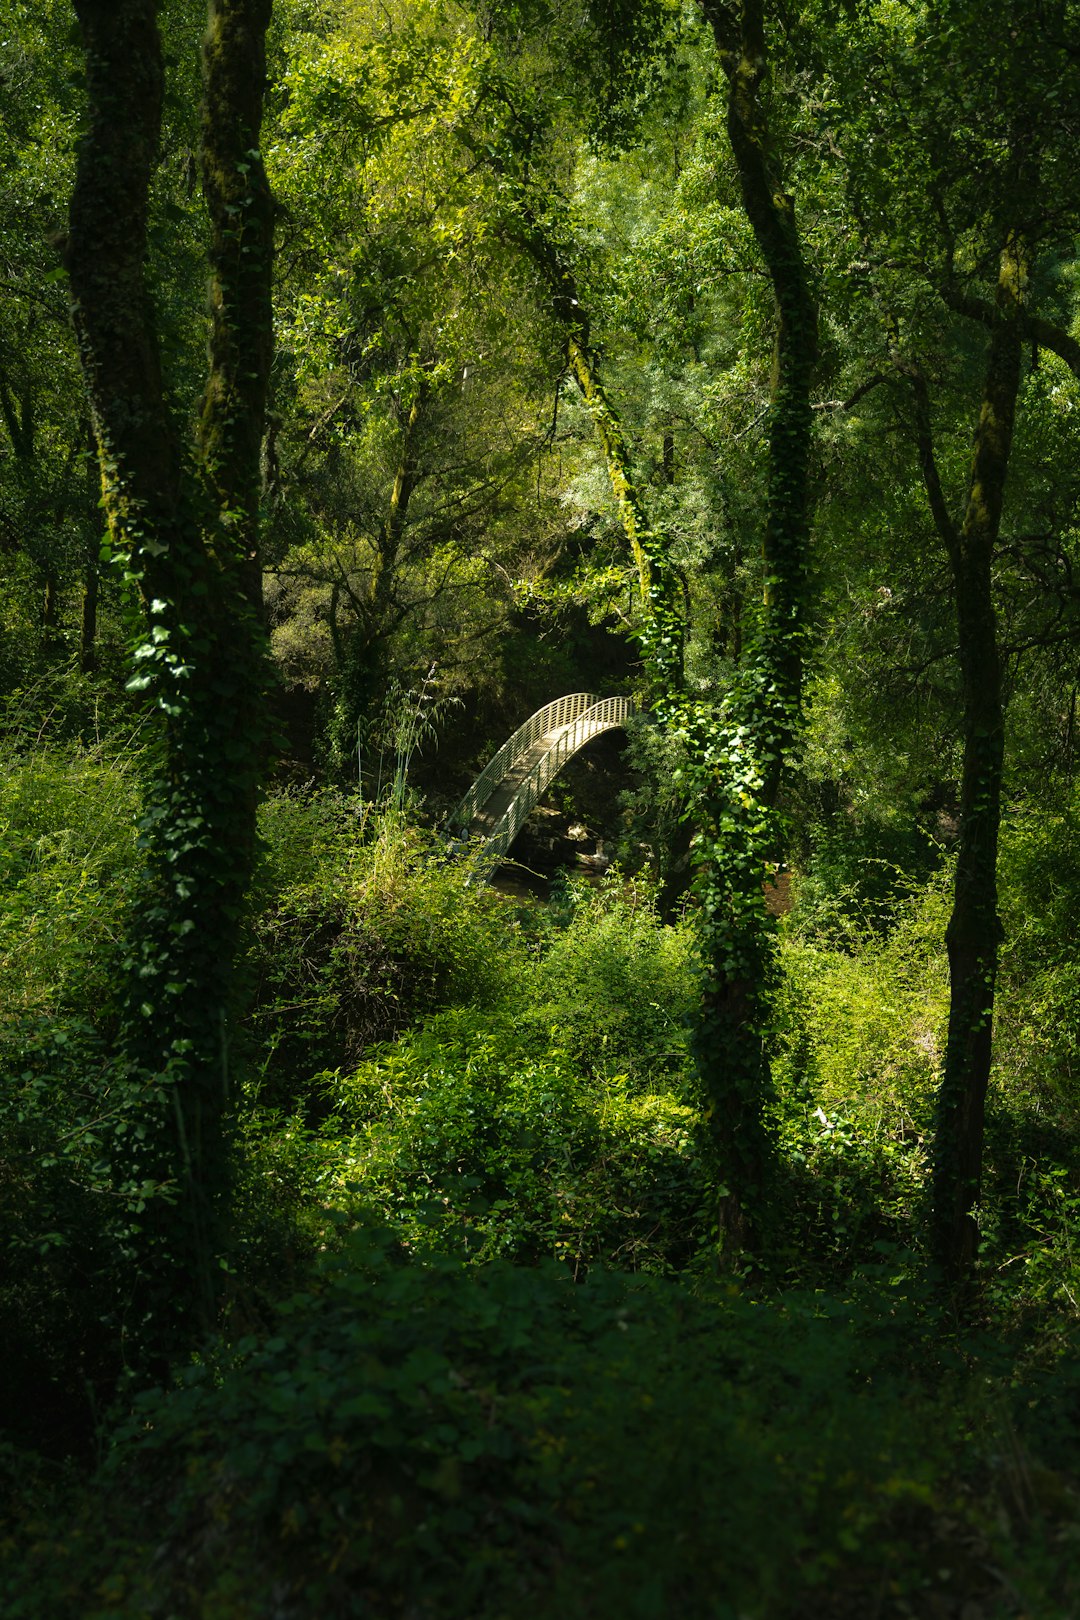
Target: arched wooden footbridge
column 511, row 784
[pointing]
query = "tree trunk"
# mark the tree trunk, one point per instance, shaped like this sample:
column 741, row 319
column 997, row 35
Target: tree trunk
column 88, row 619
column 191, row 543
column 735, row 751
column 89, row 613
column 974, row 928
column 766, row 702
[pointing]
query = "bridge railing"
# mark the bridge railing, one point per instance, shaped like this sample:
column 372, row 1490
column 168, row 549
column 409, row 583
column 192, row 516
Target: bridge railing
column 602, row 715
column 549, row 718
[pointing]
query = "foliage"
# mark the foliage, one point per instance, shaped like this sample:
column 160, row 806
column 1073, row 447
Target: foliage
column 67, row 855
column 366, row 928
column 535, row 422
column 66, row 845
column 610, row 985
column 415, row 406
column 871, row 1010
column 862, row 1020
column 479, row 1139
column 1030, row 1214
column 534, row 1119
column 515, row 1442
column 1040, row 865
column 62, row 1261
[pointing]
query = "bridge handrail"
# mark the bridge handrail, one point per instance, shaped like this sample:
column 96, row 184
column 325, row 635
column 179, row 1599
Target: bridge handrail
column 603, row 715
column 549, row 718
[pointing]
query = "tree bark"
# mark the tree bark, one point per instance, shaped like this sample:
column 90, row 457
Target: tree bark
column 88, row 615
column 735, row 751
column 190, row 540
column 974, row 928
column 241, row 211
column 767, row 698
column 137, row 446
column 88, row 618
column 771, row 212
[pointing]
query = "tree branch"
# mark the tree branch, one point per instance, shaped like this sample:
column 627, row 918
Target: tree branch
column 853, row 399
column 241, row 214
column 924, row 443
column 1045, row 333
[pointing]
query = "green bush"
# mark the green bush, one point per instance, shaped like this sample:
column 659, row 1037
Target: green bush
column 861, row 1021
column 471, row 1137
column 533, row 1119
column 863, row 876
column 362, row 928
column 870, row 1013
column 481, row 1444
column 287, row 1178
column 613, row 986
column 67, row 843
column 1030, row 1209
column 61, row 1275
column 67, row 858
column 1038, row 1013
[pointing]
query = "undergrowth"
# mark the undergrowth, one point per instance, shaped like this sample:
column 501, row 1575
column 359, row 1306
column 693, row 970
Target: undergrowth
column 479, row 1139
column 432, row 1393
column 482, row 1443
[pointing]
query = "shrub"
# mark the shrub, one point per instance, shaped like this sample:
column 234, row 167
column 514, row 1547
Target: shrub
column 480, row 1444
column 1038, row 1014
column 862, row 1021
column 613, row 986
column 370, row 929
column 67, row 843
column 67, row 847
column 471, row 1137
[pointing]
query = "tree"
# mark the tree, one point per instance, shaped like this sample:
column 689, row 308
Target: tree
column 49, row 527
column 186, row 525
column 963, row 192
column 767, row 701
column 412, row 380
column 735, row 747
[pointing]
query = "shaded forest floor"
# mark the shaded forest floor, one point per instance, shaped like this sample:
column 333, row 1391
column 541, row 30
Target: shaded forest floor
column 477, row 1357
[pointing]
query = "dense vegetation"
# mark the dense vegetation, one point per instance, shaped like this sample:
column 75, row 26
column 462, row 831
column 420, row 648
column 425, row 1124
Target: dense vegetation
column 696, row 1230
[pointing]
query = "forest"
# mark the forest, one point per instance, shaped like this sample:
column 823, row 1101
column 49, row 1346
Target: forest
column 656, row 1193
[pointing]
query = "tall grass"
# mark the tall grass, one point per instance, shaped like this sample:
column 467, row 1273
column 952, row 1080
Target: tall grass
column 67, row 860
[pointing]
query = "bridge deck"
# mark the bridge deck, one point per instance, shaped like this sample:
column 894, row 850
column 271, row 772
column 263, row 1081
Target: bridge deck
column 486, row 820
column 517, row 775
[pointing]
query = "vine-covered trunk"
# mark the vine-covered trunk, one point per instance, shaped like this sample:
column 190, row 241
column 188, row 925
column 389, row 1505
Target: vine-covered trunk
column 88, row 615
column 974, row 929
column 735, row 750
column 738, row 824
column 188, row 534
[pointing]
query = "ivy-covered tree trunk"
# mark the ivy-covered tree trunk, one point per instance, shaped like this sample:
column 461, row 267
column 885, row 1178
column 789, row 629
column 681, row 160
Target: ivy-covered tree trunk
column 88, row 616
column 738, row 828
column 736, row 749
column 187, row 530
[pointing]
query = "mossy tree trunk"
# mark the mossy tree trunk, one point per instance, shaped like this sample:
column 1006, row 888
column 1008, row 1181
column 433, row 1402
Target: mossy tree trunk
column 739, row 830
column 735, row 751
column 187, row 529
column 88, row 616
column 974, row 928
